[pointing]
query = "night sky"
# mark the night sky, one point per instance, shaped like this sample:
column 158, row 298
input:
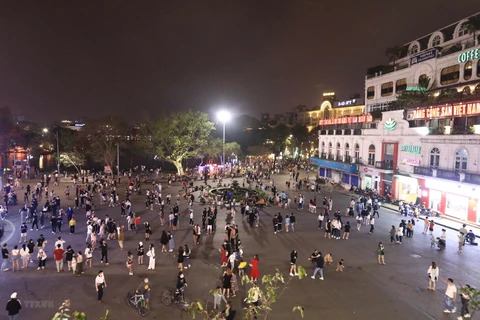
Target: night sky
column 137, row 59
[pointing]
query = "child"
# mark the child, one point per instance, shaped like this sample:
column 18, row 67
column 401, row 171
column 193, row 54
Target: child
column 340, row 266
column 328, row 258
column 433, row 241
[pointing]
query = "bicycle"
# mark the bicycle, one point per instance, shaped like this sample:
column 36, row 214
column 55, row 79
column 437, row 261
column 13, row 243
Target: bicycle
column 169, row 297
column 138, row 302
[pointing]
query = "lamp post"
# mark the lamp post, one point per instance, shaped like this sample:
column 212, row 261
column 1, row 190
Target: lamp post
column 58, row 149
column 224, row 116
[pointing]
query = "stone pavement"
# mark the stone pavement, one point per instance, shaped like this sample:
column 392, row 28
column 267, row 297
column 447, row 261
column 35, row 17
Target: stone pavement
column 364, row 290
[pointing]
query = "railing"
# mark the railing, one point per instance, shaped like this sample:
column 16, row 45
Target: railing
column 424, row 171
column 323, row 155
column 473, row 178
column 331, row 157
column 371, row 162
column 347, row 159
column 448, row 174
column 356, row 160
column 387, row 165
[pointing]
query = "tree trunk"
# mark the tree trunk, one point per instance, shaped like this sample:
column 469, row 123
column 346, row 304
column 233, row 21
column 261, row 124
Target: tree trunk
column 178, row 164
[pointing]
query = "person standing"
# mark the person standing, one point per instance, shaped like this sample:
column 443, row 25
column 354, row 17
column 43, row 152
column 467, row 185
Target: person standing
column 58, row 256
column 42, row 259
column 72, row 223
column 23, row 233
column 372, row 225
column 100, row 284
column 79, row 264
column 381, row 253
column 320, row 262
column 461, row 241
column 218, row 297
column 433, row 273
column 104, row 250
column 293, row 263
column 140, row 252
column 129, row 263
column 426, row 225
column 144, row 289
column 151, row 257
column 121, row 235
column 15, row 258
column 450, row 296
column 5, row 257
column 393, row 232
column 254, row 272
column 346, row 230
column 186, row 254
column 13, row 307
column 465, row 299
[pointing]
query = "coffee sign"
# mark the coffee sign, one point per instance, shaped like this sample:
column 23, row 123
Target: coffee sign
column 410, row 149
column 468, row 55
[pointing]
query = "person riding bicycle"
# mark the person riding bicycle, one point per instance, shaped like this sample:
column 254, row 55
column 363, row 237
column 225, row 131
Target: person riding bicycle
column 144, row 289
column 181, row 284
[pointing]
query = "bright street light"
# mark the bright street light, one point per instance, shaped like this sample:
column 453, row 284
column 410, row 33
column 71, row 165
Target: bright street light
column 58, row 149
column 224, row 116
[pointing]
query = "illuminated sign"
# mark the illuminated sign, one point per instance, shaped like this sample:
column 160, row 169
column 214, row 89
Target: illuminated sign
column 329, row 94
column 424, row 56
column 346, row 103
column 445, row 111
column 410, row 162
column 468, row 55
column 410, row 149
column 390, row 124
column 415, row 88
column 346, row 120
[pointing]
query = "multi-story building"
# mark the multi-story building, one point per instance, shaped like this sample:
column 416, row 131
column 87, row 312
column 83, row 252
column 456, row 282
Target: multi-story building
column 420, row 136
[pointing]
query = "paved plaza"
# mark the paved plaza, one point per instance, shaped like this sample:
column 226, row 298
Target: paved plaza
column 365, row 290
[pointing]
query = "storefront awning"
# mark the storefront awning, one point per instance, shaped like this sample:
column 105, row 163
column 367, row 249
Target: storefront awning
column 339, row 166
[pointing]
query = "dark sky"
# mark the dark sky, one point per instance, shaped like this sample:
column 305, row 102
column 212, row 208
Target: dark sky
column 137, row 59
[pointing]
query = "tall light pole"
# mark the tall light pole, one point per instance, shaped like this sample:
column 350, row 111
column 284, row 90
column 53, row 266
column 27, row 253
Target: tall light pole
column 58, row 149
column 224, row 116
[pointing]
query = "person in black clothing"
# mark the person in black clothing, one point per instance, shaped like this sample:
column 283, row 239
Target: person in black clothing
column 280, row 221
column 181, row 284
column 13, row 306
column 228, row 313
column 34, row 221
column 103, row 249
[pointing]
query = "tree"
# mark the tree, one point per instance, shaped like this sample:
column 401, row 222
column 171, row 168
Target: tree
column 64, row 313
column 271, row 289
column 301, row 138
column 101, row 138
column 395, row 53
column 72, row 147
column 473, row 26
column 277, row 140
column 178, row 136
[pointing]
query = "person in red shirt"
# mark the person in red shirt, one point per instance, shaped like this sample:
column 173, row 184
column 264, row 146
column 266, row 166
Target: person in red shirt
column 137, row 222
column 58, row 256
column 432, row 224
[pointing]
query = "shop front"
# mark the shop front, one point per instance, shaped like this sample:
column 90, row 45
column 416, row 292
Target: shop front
column 369, row 178
column 407, row 189
column 455, row 199
column 336, row 171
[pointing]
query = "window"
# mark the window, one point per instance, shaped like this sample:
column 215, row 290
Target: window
column 467, row 70
column 323, row 146
column 357, row 152
column 371, row 92
column 347, row 149
column 478, row 68
column 329, row 147
column 463, row 30
column 436, row 41
column 387, row 89
column 371, row 155
column 400, row 85
column 338, row 150
column 461, row 157
column 434, row 158
column 414, row 49
column 450, row 74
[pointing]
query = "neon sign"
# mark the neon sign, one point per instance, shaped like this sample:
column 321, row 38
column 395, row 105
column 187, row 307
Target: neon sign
column 468, row 55
column 446, row 111
column 346, row 120
column 329, row 94
column 346, row 103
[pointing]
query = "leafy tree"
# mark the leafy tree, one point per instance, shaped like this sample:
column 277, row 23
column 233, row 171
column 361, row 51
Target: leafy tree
column 64, row 313
column 271, row 288
column 302, row 138
column 72, row 147
column 395, row 53
column 178, row 136
column 473, row 25
column 277, row 140
column 101, row 137
column 6, row 126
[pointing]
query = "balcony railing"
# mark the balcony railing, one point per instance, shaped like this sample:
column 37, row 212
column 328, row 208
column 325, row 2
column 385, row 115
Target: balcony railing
column 386, row 165
column 371, row 162
column 424, row 171
column 473, row 178
column 323, row 155
column 448, row 174
column 331, row 157
column 347, row 159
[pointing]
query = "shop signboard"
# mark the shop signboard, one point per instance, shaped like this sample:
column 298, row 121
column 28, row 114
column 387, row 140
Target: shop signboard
column 410, row 149
column 445, row 111
column 346, row 120
column 424, row 56
column 339, row 166
column 410, row 161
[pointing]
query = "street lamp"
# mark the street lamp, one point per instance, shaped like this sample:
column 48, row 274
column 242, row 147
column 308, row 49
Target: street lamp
column 58, row 149
column 224, row 116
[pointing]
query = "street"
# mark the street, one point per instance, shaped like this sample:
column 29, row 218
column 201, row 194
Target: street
column 364, row 290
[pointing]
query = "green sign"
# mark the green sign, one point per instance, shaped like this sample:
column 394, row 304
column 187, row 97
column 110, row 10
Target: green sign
column 390, row 124
column 468, row 55
column 415, row 88
column 411, row 149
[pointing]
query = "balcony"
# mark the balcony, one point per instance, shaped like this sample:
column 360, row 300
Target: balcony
column 473, row 178
column 347, row 159
column 331, row 157
column 423, row 171
column 323, row 155
column 448, row 174
column 385, row 165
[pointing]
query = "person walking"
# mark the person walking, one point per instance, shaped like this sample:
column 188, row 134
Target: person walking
column 121, row 235
column 88, row 255
column 346, row 230
column 13, row 307
column 151, row 257
column 381, row 253
column 100, row 284
column 433, row 273
column 171, row 242
column 129, row 263
column 465, row 299
column 104, row 250
column 218, row 297
column 24, row 255
column 72, row 223
column 372, row 225
column 58, row 256
column 79, row 270
column 320, row 262
column 254, row 272
column 140, row 252
column 461, row 241
column 450, row 296
column 393, row 232
column 293, row 263
column 186, row 254
column 5, row 257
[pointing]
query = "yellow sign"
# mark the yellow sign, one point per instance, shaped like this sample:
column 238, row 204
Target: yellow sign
column 329, row 94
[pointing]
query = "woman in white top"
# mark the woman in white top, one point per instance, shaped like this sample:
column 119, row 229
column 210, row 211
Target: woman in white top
column 25, row 255
column 151, row 257
column 15, row 256
column 433, row 273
